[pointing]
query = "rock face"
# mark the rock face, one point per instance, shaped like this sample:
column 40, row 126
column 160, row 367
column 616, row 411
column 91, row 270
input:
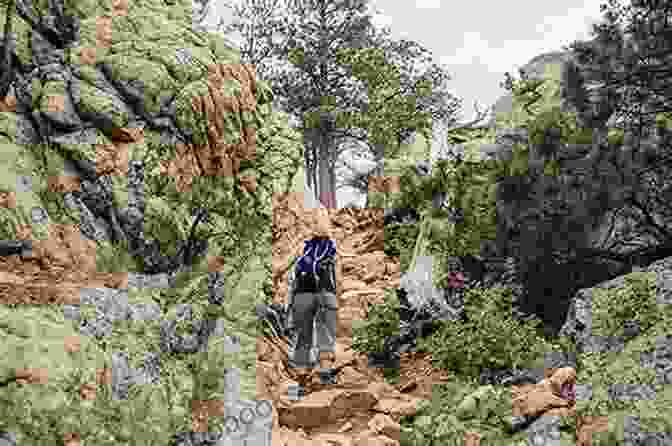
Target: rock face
column 119, row 121
column 537, row 68
column 108, row 116
column 636, row 352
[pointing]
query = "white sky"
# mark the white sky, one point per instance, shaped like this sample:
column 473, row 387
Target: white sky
column 478, row 40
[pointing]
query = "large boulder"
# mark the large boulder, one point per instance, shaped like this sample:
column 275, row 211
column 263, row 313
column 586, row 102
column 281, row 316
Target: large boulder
column 629, row 368
column 120, row 123
column 112, row 117
column 578, row 324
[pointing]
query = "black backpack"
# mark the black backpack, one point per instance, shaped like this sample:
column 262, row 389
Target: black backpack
column 315, row 269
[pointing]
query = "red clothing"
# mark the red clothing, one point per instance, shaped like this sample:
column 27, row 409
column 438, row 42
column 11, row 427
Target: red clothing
column 455, row 280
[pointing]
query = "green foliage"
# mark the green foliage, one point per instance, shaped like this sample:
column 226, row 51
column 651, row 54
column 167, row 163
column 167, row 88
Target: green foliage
column 489, row 339
column 392, row 375
column 238, row 222
column 552, row 167
column 463, row 135
column 416, row 191
column 389, row 110
column 381, row 322
column 421, row 429
column 400, row 241
column 565, row 123
column 627, row 41
column 635, row 301
column 545, row 116
column 615, row 137
column 436, row 422
column 469, row 187
column 664, row 120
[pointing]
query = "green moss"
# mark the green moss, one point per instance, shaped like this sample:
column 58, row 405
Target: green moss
column 635, row 301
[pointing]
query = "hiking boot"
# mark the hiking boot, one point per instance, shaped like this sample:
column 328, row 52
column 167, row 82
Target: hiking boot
column 328, row 376
column 296, row 392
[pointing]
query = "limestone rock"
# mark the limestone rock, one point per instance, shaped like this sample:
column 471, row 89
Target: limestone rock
column 89, row 123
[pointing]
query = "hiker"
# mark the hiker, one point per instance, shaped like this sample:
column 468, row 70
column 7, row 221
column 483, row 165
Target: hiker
column 456, row 280
column 312, row 303
column 454, row 292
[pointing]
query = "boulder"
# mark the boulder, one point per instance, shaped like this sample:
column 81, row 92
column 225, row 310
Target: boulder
column 528, row 402
column 578, row 323
column 105, row 114
column 90, row 127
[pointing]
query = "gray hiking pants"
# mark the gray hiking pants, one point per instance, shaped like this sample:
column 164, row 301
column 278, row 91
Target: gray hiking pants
column 318, row 311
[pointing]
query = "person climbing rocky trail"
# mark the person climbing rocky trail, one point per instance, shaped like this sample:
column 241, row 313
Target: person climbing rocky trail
column 363, row 406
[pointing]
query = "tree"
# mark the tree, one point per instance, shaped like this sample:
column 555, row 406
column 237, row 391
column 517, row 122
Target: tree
column 630, row 60
column 285, row 50
column 313, row 78
column 549, row 220
column 388, row 110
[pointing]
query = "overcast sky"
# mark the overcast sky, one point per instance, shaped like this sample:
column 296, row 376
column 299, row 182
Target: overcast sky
column 478, row 40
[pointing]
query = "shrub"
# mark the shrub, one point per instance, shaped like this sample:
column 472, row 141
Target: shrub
column 400, row 241
column 489, row 338
column 382, row 322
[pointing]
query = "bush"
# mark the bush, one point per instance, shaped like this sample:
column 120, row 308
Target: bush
column 490, row 338
column 382, row 322
column 400, row 241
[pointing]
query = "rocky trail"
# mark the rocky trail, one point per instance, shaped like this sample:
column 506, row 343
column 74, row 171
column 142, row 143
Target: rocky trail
column 361, row 408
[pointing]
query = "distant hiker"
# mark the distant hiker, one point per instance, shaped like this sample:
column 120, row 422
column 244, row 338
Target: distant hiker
column 455, row 280
column 312, row 302
column 454, row 292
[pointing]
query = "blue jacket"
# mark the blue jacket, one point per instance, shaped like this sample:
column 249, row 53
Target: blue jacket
column 315, row 270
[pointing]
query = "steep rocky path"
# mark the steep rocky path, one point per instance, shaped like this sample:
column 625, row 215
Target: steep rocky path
column 361, row 408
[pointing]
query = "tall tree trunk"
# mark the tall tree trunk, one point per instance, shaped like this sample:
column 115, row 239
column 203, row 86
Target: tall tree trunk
column 332, row 177
column 312, row 141
column 326, row 194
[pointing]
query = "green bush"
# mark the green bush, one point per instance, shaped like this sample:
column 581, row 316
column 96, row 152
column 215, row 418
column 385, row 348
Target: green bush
column 490, row 338
column 635, row 301
column 400, row 241
column 392, row 375
column 381, row 323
